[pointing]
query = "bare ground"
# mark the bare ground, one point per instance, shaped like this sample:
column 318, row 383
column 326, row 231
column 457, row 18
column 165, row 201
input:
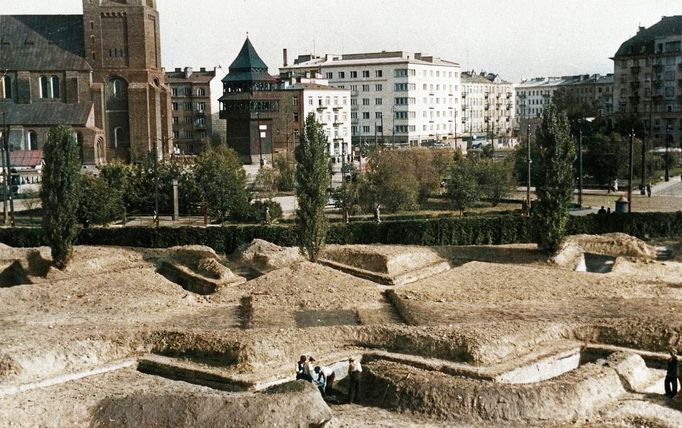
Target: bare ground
column 112, row 305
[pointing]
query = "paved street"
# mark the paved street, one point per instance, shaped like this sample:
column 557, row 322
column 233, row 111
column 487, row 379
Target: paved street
column 672, row 189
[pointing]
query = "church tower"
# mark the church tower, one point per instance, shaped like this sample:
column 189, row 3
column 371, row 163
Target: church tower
column 132, row 100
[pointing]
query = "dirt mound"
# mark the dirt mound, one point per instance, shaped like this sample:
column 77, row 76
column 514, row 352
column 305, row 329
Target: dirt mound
column 266, row 257
column 295, row 405
column 196, row 268
column 611, row 244
column 407, row 389
column 392, row 260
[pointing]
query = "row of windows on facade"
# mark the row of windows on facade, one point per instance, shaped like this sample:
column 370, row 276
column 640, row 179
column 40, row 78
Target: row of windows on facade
column 647, row 107
column 475, row 102
column 187, row 92
column 189, row 106
column 535, row 101
column 324, row 102
column 402, row 101
column 188, row 120
column 401, row 129
column 668, row 92
column 398, row 72
column 487, row 90
column 545, row 93
column 188, row 135
column 407, row 114
column 48, row 86
column 648, row 62
column 403, row 87
column 668, row 76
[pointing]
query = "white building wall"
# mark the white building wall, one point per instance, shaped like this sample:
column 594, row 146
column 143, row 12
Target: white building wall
column 418, row 104
column 332, row 109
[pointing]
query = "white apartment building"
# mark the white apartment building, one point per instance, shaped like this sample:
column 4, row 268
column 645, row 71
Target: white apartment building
column 534, row 95
column 488, row 108
column 397, row 98
column 331, row 107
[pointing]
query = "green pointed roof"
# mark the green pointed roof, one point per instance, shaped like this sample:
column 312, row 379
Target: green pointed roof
column 248, row 66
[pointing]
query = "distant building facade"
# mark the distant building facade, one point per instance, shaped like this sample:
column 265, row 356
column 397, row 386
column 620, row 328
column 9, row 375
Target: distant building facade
column 265, row 115
column 99, row 72
column 488, row 107
column 397, row 98
column 191, row 108
column 648, row 80
column 594, row 92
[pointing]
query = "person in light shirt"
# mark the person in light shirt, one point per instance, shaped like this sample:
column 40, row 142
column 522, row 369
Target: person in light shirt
column 354, row 375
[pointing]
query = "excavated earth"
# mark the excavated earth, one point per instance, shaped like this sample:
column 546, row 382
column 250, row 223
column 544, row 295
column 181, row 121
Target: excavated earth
column 448, row 336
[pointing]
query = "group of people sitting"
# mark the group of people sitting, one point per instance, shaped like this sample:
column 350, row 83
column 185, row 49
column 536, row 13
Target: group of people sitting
column 324, row 377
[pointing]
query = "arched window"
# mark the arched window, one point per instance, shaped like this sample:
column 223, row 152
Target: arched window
column 118, row 136
column 118, row 88
column 6, row 84
column 32, row 140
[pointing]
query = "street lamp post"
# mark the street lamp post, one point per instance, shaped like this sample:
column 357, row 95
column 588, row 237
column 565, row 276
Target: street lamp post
column 667, row 151
column 580, row 169
column 631, row 170
column 4, row 170
column 528, row 164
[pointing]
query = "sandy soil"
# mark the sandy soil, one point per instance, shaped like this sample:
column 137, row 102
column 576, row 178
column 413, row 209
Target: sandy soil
column 113, row 305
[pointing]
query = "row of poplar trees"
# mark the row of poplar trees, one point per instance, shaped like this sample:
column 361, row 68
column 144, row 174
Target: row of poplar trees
column 60, row 189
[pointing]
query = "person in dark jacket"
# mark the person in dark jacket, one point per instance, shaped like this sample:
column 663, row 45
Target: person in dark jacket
column 671, row 375
column 301, row 369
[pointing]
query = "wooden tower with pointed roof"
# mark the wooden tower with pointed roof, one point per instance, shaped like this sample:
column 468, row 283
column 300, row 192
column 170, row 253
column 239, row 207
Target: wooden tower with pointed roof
column 250, row 103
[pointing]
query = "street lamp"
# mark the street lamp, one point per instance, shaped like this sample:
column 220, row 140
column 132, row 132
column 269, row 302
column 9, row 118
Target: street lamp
column 580, row 160
column 668, row 136
column 529, row 161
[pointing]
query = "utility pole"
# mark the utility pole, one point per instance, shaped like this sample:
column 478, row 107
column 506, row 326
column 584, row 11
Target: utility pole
column 156, row 184
column 4, row 169
column 580, row 169
column 528, row 164
column 631, row 169
column 667, row 151
column 8, row 175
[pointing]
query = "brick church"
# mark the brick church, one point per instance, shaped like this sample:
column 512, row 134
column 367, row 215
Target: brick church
column 99, row 72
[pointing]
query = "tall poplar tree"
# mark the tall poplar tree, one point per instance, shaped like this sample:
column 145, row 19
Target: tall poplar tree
column 555, row 190
column 60, row 193
column 312, row 182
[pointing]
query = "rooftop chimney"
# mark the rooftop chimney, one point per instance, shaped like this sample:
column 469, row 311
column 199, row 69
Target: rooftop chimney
column 188, row 72
column 285, row 58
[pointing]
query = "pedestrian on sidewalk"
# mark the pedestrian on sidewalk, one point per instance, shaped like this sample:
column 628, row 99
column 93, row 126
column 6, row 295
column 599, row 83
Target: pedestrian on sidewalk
column 648, row 189
column 354, row 375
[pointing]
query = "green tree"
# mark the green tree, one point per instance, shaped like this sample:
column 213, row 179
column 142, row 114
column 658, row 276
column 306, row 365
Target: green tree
column 494, row 179
column 99, row 202
column 222, row 182
column 346, row 198
column 312, row 179
column 557, row 152
column 60, row 193
column 286, row 174
column 462, row 183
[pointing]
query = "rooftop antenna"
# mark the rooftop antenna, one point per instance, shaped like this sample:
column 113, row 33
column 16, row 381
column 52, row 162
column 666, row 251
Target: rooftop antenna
column 247, row 34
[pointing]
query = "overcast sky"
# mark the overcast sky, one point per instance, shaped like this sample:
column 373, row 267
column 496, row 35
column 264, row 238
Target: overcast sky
column 515, row 38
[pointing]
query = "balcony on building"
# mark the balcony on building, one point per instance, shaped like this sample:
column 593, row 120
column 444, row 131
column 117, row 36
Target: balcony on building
column 464, row 95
